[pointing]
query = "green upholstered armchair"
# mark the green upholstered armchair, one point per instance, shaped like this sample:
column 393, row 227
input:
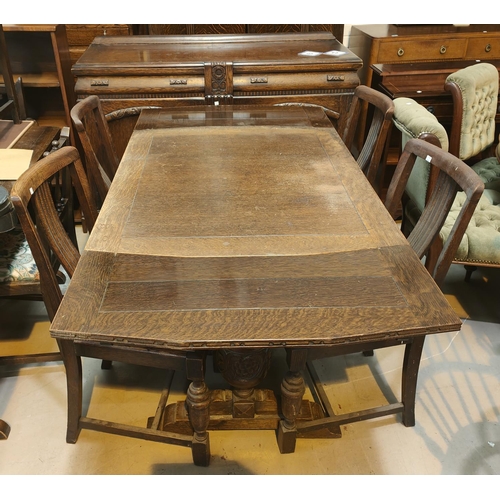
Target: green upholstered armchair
column 474, row 90
column 480, row 245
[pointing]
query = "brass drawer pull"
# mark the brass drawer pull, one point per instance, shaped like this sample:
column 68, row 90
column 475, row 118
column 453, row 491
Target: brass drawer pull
column 259, row 79
column 401, row 52
column 99, row 83
column 179, row 81
column 335, row 78
column 442, row 50
column 488, row 47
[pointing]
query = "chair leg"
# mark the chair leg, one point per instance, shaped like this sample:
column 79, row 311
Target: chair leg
column 468, row 272
column 73, row 366
column 411, row 363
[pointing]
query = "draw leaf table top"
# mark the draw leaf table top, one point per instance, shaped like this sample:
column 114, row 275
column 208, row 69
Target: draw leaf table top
column 235, row 231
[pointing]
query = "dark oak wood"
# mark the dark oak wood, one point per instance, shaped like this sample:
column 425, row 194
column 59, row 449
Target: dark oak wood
column 39, row 55
column 231, row 229
column 370, row 155
column 101, row 159
column 424, row 43
column 11, row 105
column 257, row 69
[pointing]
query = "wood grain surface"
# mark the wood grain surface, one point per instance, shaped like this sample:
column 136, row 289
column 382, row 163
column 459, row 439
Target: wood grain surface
column 246, row 235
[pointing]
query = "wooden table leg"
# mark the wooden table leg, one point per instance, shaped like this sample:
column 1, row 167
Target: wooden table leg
column 292, row 390
column 411, row 363
column 73, row 367
column 198, row 405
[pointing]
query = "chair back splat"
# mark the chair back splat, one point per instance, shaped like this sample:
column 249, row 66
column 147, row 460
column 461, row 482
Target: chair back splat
column 454, row 175
column 51, row 246
column 101, row 159
column 370, row 155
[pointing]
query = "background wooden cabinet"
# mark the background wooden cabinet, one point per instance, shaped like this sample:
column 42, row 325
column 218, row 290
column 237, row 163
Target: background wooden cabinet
column 213, row 29
column 39, row 55
column 80, row 36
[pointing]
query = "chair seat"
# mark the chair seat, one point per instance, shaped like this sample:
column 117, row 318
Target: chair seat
column 489, row 172
column 481, row 241
column 16, row 260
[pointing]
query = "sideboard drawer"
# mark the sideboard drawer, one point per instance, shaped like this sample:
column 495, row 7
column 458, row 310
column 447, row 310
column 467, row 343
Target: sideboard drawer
column 140, row 85
column 422, row 50
column 283, row 82
column 483, row 48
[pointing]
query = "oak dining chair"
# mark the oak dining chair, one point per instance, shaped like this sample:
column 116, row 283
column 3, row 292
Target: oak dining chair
column 101, row 159
column 453, row 175
column 369, row 146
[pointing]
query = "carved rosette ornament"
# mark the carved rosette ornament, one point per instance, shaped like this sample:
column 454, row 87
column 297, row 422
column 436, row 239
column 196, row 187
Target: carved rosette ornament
column 243, row 368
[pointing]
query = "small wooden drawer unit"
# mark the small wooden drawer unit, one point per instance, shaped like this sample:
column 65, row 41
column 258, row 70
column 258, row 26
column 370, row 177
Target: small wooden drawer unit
column 402, row 44
column 265, row 69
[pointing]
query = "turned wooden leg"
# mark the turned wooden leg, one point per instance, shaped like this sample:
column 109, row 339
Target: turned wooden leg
column 73, row 366
column 198, row 404
column 411, row 363
column 292, row 390
column 198, row 407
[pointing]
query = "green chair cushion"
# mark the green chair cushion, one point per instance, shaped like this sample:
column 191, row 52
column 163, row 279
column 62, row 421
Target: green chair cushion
column 481, row 241
column 489, row 172
column 413, row 120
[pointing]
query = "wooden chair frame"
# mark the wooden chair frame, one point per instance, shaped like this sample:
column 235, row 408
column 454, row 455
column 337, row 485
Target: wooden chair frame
column 453, row 174
column 101, row 159
column 371, row 153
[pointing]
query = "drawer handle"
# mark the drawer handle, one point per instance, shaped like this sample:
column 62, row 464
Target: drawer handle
column 442, row 50
column 335, row 78
column 99, row 83
column 178, row 81
column 488, row 47
column 430, row 109
column 401, row 52
column 259, row 79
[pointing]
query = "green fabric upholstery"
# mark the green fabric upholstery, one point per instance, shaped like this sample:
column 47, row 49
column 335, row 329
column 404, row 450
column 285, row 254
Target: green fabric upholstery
column 479, row 87
column 413, row 120
column 16, row 260
column 489, row 172
column 481, row 241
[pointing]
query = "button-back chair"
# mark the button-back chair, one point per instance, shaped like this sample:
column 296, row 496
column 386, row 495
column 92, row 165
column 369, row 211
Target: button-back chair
column 101, row 159
column 46, row 237
column 453, row 175
column 474, row 91
column 379, row 109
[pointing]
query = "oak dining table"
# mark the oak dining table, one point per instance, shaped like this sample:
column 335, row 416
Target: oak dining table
column 235, row 232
